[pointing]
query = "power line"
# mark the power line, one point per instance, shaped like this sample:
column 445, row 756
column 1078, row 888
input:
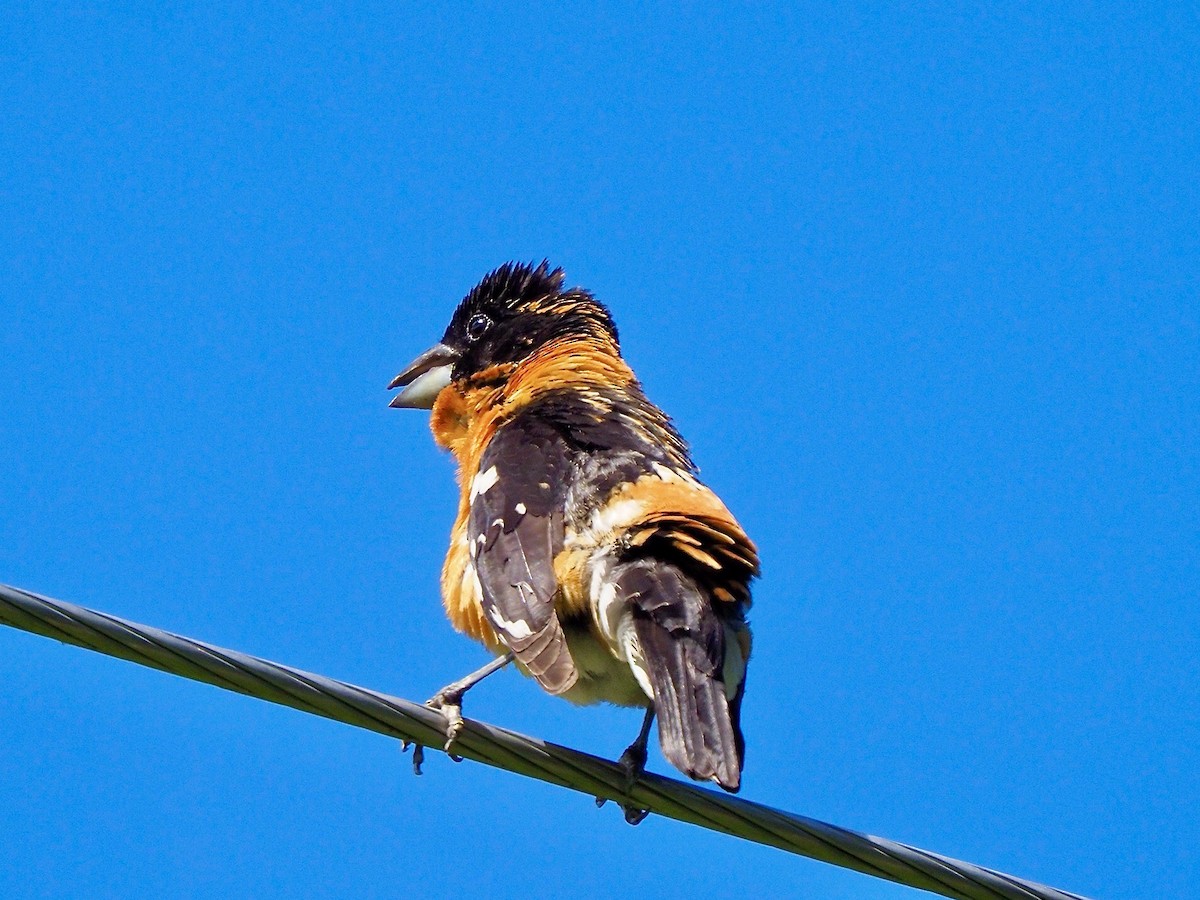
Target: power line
column 508, row 750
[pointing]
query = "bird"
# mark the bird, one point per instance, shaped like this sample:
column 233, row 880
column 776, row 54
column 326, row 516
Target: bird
column 585, row 547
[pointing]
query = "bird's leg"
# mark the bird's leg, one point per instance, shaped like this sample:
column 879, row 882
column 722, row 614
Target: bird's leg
column 633, row 761
column 448, row 701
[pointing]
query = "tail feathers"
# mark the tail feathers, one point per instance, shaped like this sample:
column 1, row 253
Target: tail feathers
column 682, row 646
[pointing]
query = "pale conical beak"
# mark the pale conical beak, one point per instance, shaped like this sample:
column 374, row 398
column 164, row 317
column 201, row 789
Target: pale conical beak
column 424, row 378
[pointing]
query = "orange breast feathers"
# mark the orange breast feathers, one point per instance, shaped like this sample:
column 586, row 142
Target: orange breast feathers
column 463, row 421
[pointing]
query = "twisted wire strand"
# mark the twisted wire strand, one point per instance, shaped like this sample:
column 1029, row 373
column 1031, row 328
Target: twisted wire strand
column 493, row 746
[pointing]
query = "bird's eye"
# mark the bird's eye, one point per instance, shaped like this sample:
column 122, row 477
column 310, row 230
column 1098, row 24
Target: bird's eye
column 477, row 325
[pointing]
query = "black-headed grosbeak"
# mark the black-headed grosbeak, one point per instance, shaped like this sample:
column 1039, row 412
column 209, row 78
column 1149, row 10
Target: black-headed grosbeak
column 585, row 546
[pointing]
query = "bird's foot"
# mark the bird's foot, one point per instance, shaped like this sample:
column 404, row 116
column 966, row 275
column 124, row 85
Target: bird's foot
column 633, row 763
column 447, row 701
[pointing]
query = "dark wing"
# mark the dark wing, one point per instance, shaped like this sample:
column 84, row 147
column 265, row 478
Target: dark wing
column 516, row 529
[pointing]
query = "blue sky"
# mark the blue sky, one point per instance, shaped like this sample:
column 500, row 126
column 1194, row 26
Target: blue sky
column 919, row 284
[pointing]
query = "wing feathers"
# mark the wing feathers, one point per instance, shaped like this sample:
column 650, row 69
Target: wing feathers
column 518, row 515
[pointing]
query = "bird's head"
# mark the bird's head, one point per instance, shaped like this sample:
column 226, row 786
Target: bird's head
column 511, row 315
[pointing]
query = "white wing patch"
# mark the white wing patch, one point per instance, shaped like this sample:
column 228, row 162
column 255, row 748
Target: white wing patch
column 484, row 482
column 516, row 630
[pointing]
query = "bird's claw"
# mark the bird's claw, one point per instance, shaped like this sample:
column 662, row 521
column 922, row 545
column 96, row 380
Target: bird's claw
column 633, row 815
column 633, row 763
column 449, row 704
column 418, row 756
